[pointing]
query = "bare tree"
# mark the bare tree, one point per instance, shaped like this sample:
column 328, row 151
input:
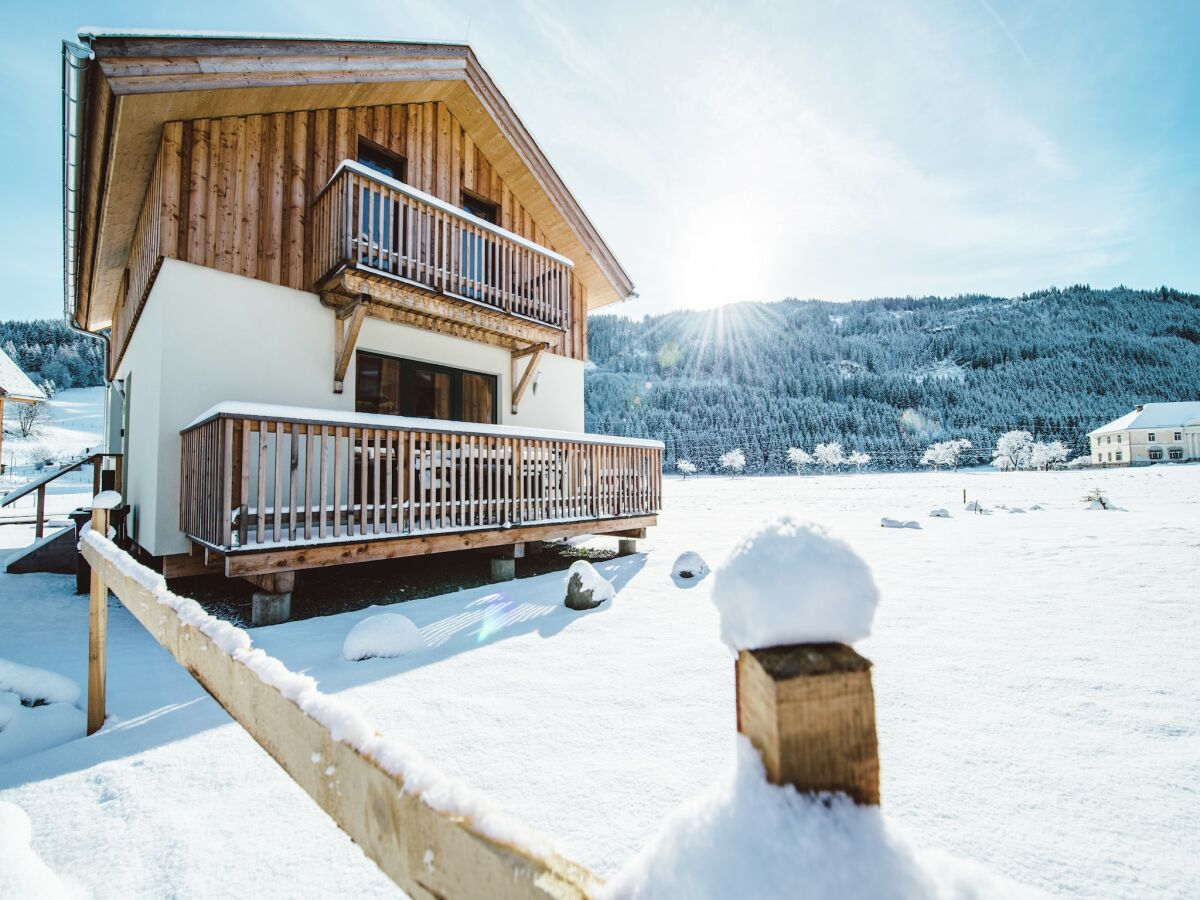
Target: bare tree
column 29, row 417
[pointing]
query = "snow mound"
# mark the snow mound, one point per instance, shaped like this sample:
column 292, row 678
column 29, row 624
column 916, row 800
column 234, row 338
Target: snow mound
column 587, row 588
column 747, row 831
column 37, row 685
column 22, row 873
column 973, row 506
column 384, row 635
column 689, row 568
column 106, row 500
column 792, row 582
column 938, row 514
column 1017, row 509
column 885, row 522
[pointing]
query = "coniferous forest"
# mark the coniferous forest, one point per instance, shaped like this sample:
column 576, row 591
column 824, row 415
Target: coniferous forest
column 889, row 376
column 48, row 351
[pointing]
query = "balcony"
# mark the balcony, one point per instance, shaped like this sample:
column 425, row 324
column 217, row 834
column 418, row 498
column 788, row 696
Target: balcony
column 281, row 488
column 374, row 235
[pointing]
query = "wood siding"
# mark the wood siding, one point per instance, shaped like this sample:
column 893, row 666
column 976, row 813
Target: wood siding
column 235, row 192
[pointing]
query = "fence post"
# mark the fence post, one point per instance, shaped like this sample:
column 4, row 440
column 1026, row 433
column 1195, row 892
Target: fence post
column 97, row 633
column 809, row 709
column 39, row 529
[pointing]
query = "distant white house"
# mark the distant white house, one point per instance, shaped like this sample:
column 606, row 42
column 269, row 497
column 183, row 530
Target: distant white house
column 1153, row 432
column 15, row 387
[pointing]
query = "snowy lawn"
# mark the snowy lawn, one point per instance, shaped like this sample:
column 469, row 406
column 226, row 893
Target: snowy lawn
column 1037, row 708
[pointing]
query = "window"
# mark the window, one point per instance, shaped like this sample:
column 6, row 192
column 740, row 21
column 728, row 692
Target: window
column 1179, row 435
column 1155, row 454
column 1150, row 437
column 480, row 208
column 1109, row 439
column 1118, row 456
column 404, row 387
column 381, row 160
column 1110, row 456
column 1176, row 453
column 1118, row 438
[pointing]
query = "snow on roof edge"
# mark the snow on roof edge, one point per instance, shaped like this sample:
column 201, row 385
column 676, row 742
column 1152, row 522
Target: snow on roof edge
column 14, row 383
column 99, row 31
column 1177, row 413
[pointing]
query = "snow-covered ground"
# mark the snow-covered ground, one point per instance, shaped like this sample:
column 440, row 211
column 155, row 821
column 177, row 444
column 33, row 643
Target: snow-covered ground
column 1036, row 700
column 71, row 426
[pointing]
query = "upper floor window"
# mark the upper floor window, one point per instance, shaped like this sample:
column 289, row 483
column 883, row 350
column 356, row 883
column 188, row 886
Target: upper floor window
column 1109, row 439
column 1118, row 438
column 1179, row 435
column 480, row 208
column 1151, row 437
column 381, row 160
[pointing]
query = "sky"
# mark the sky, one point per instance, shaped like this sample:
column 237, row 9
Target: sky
column 753, row 151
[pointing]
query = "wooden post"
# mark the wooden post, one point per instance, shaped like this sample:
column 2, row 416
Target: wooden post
column 810, row 711
column 97, row 634
column 40, row 528
column 97, row 463
column 1, row 435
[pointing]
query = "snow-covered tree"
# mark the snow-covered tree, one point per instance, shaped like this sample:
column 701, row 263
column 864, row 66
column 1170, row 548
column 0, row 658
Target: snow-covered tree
column 858, row 459
column 734, row 461
column 29, row 418
column 829, row 456
column 945, row 453
column 686, row 467
column 1013, row 451
column 1049, row 454
column 798, row 459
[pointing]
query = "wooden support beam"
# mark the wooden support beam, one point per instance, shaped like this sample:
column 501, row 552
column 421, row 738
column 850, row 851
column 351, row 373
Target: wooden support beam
column 535, row 354
column 243, row 563
column 39, row 529
column 809, row 709
column 198, row 562
column 346, row 327
column 97, row 634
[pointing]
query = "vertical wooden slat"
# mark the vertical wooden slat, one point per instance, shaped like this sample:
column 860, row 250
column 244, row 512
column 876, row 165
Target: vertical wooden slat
column 226, row 482
column 261, row 512
column 293, row 474
column 376, row 491
column 337, row 482
column 276, row 503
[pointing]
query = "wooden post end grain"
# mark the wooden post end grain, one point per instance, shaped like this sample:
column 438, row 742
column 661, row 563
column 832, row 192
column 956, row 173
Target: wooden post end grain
column 97, row 634
column 809, row 709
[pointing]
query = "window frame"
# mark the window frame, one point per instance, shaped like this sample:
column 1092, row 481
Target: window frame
column 404, row 401
column 374, row 149
column 1151, row 436
column 470, row 198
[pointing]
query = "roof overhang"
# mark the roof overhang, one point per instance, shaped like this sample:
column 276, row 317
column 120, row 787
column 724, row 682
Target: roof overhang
column 138, row 81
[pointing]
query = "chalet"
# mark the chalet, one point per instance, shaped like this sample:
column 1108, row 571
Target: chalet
column 15, row 387
column 345, row 297
column 1151, row 433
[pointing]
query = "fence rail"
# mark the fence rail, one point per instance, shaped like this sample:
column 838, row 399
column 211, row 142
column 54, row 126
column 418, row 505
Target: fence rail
column 257, row 481
column 376, row 223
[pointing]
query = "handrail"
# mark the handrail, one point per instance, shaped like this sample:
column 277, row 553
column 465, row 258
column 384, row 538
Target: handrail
column 27, row 489
column 349, row 165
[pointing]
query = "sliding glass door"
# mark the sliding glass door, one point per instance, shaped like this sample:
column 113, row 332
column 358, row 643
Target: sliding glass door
column 404, row 387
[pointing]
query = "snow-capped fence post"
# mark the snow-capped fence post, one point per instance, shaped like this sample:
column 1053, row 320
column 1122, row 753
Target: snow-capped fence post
column 97, row 631
column 810, row 711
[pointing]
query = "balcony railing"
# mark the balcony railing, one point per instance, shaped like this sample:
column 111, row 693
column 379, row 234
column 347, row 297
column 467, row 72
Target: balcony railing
column 374, row 223
column 292, row 477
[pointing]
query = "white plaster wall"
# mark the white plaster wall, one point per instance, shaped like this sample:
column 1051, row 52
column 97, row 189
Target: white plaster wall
column 207, row 336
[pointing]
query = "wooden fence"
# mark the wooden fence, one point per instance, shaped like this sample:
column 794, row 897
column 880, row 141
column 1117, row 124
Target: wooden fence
column 809, row 710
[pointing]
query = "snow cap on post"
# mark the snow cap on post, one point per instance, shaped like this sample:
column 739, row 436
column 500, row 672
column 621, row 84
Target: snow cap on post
column 792, row 582
column 106, row 500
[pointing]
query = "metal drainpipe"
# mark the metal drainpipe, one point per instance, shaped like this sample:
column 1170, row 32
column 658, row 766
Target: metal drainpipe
column 76, row 60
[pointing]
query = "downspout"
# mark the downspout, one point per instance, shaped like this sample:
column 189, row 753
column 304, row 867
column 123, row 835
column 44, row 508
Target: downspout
column 76, row 59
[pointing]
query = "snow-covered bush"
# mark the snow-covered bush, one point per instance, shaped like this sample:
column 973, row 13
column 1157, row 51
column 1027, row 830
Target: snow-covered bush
column 945, row 454
column 798, row 458
column 686, row 467
column 858, row 459
column 690, row 566
column 1096, row 500
column 1048, row 455
column 829, row 456
column 384, row 635
column 1080, row 462
column 1013, row 451
column 586, row 588
column 792, row 582
column 885, row 522
column 734, row 461
column 939, row 514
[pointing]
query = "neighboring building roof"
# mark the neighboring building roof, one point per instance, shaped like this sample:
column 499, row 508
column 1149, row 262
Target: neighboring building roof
column 15, row 384
column 1155, row 415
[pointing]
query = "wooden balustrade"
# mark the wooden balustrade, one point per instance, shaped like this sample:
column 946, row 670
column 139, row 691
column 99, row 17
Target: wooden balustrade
column 262, row 481
column 381, row 225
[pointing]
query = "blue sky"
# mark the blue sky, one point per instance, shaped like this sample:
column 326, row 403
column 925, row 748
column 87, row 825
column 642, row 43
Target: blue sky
column 751, row 151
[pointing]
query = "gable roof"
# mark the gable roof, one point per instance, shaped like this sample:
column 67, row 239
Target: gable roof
column 15, row 384
column 1155, row 415
column 137, row 80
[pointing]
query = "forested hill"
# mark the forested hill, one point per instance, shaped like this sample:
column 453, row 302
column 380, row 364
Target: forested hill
column 888, row 376
column 48, row 351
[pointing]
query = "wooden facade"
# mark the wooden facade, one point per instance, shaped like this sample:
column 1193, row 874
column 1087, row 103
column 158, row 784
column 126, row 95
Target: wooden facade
column 236, row 194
